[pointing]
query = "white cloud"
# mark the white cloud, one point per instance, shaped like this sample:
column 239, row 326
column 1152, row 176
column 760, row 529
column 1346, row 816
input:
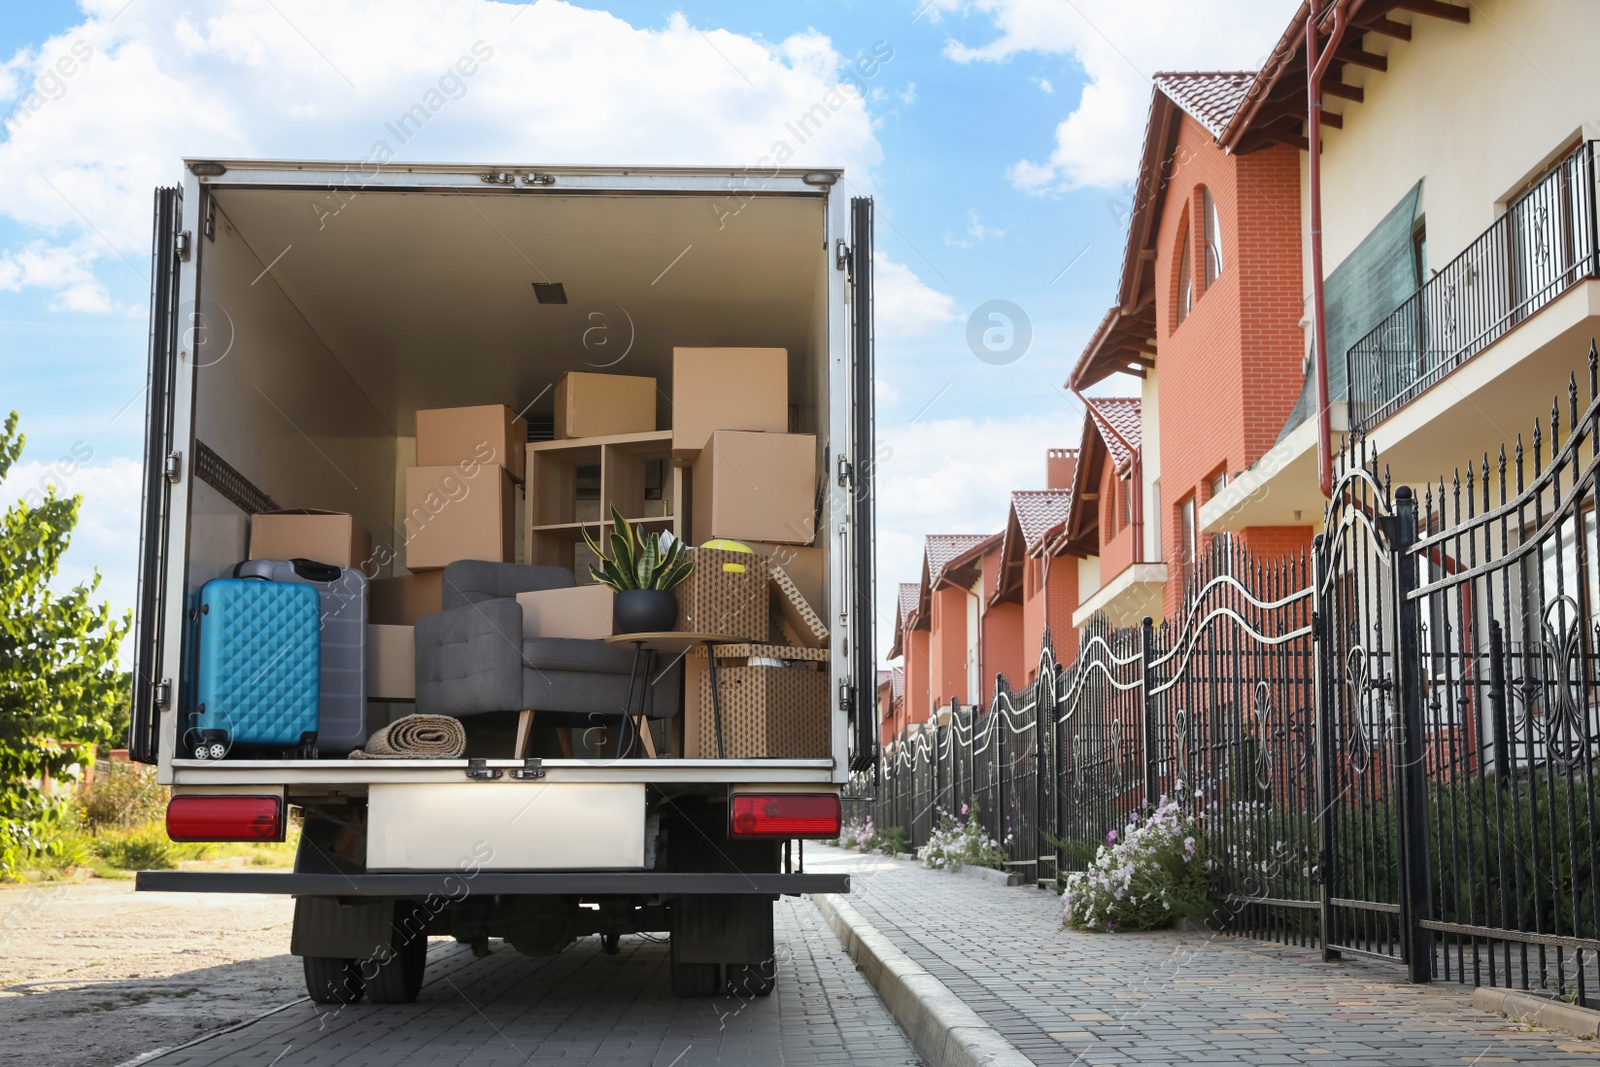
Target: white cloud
column 977, row 231
column 904, row 305
column 1119, row 44
column 1044, row 85
column 66, row 272
column 157, row 80
column 909, row 96
column 953, row 475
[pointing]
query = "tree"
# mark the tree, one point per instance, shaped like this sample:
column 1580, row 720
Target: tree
column 59, row 678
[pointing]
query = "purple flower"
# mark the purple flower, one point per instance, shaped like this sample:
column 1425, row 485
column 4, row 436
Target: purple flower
column 1111, row 838
column 963, row 809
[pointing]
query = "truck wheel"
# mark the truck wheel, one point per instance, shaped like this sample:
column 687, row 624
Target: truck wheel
column 399, row 978
column 752, row 979
column 696, row 979
column 611, row 944
column 331, row 980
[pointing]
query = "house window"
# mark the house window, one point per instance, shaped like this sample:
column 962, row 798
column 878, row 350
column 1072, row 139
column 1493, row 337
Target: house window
column 1188, row 543
column 1124, row 505
column 1213, row 238
column 1217, row 483
column 1185, row 277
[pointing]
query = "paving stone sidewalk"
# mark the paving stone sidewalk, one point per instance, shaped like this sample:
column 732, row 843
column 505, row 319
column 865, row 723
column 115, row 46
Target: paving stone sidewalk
column 1064, row 997
column 582, row 1007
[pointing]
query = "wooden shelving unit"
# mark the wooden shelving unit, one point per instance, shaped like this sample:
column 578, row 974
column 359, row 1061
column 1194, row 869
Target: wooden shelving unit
column 636, row 474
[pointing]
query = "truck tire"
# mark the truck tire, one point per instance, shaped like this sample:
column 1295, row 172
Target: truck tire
column 752, row 979
column 696, row 979
column 331, row 980
column 399, row 978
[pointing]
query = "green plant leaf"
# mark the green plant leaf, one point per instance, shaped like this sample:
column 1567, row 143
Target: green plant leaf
column 649, row 561
column 675, row 577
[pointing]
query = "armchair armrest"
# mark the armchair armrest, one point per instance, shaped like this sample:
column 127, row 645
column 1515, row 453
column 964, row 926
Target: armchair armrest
column 469, row 659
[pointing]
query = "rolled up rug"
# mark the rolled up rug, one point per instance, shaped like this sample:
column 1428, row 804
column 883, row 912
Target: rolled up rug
column 416, row 737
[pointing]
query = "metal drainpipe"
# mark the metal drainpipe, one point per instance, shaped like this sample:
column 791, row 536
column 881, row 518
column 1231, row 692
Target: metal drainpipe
column 1317, row 66
column 1135, row 475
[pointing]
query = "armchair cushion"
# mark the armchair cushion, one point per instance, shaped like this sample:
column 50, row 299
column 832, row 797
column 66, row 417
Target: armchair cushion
column 472, row 581
column 470, row 659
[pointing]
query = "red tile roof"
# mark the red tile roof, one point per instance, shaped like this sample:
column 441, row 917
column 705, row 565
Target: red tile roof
column 1039, row 511
column 1122, row 413
column 942, row 548
column 908, row 602
column 1211, row 98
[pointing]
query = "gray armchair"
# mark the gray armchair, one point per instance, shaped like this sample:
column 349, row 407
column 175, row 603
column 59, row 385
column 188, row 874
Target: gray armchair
column 472, row 657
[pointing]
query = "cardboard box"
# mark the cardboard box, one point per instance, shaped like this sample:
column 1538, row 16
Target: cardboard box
column 595, row 405
column 755, row 486
column 491, row 433
column 581, row 611
column 695, row 664
column 767, row 712
column 402, row 600
column 451, row 517
column 734, row 603
column 726, row 389
column 803, row 565
column 391, row 663
column 330, row 537
column 798, row 623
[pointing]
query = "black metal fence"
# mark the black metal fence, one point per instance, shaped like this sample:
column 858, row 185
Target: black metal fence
column 1389, row 742
column 1547, row 240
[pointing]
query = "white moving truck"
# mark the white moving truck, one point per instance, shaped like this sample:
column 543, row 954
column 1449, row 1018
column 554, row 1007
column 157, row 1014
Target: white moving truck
column 302, row 313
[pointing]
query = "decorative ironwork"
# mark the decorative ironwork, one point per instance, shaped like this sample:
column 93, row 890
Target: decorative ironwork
column 1263, row 710
column 1359, row 684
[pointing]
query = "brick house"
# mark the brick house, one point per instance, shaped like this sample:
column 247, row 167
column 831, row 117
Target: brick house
column 1208, row 325
column 911, row 647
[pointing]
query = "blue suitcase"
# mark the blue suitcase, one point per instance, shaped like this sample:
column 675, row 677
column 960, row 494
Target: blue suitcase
column 258, row 659
column 342, row 699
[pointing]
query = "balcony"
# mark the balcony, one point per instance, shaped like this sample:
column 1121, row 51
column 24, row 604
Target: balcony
column 1544, row 244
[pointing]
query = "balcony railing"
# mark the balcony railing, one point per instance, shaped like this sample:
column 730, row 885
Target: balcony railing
column 1545, row 243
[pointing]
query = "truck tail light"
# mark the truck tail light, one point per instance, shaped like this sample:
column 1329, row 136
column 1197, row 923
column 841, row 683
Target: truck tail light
column 783, row 815
column 225, row 818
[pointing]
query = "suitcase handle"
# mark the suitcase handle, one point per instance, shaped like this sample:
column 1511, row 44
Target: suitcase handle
column 312, row 571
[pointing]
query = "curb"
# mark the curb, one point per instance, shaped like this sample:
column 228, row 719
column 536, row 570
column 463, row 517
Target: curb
column 1534, row 1010
column 944, row 1030
column 989, row 874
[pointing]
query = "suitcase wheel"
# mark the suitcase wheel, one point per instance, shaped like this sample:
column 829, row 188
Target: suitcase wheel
column 202, row 751
column 216, row 750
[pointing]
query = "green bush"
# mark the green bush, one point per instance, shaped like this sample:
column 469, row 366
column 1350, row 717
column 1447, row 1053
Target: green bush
column 128, row 795
column 143, row 848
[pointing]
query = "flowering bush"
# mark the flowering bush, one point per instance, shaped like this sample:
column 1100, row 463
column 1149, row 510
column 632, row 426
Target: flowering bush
column 1143, row 878
column 961, row 842
column 858, row 835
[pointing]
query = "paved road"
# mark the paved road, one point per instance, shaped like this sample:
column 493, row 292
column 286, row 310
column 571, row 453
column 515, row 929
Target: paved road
column 1064, row 997
column 582, row 1007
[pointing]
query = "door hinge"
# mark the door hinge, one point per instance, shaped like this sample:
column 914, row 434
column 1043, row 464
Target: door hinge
column 841, row 255
column 174, row 467
column 498, row 177
column 846, row 471
column 163, row 692
column 181, row 245
column 847, row 698
column 532, row 768
column 538, row 179
column 478, row 769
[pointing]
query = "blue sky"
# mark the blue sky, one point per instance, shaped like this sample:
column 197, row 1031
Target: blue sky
column 997, row 141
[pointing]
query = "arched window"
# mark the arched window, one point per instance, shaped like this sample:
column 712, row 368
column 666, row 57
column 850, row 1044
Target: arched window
column 1185, row 276
column 1213, row 237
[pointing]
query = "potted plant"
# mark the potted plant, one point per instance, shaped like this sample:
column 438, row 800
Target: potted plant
column 643, row 569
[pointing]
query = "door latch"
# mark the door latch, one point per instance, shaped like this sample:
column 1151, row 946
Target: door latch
column 538, row 179
column 174, row 467
column 498, row 177
column 847, row 700
column 163, row 693
column 531, row 769
column 845, row 471
column 479, row 770
column 181, row 245
column 841, row 255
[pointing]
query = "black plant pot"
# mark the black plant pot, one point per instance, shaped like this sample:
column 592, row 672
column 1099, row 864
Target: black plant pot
column 639, row 611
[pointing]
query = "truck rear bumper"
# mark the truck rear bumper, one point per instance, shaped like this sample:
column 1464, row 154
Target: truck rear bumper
column 455, row 884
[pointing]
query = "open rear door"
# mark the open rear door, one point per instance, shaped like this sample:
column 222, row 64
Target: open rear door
column 150, row 681
column 864, row 708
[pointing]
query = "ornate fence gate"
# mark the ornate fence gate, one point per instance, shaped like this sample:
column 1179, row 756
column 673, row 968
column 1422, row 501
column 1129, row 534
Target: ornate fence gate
column 1390, row 743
